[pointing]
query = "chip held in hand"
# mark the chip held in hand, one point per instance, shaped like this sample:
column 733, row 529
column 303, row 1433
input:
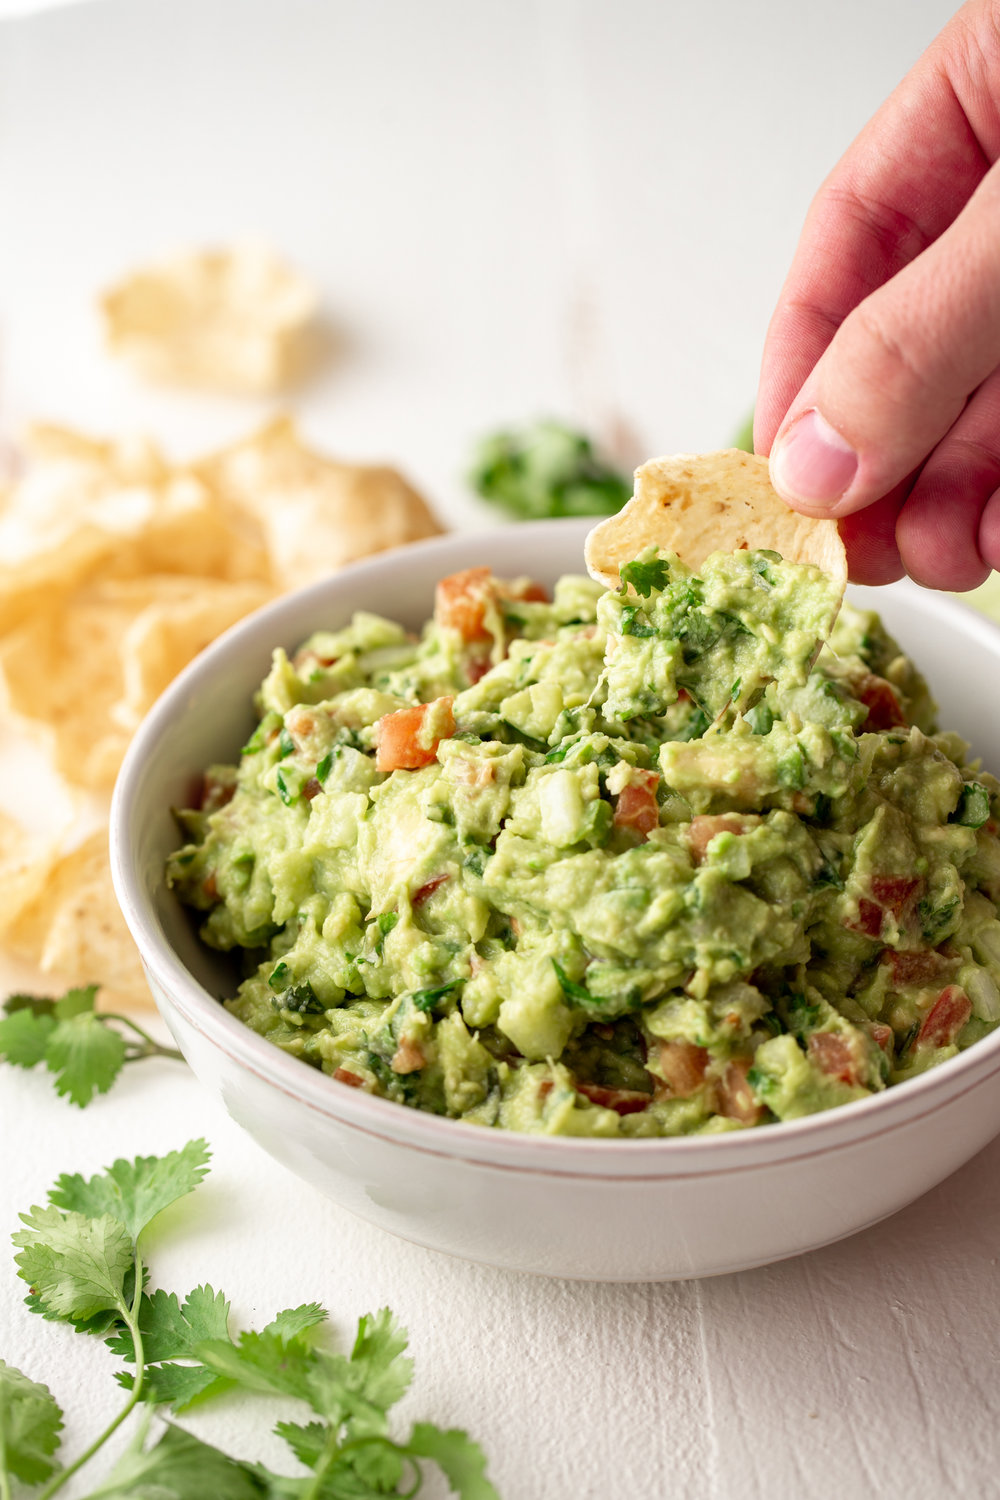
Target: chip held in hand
column 694, row 504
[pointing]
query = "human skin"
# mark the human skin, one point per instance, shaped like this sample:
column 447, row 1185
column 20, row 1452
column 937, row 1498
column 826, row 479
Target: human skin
column 879, row 397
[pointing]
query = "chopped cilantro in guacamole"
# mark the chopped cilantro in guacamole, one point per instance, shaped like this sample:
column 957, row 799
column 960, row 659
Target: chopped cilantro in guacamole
column 641, row 863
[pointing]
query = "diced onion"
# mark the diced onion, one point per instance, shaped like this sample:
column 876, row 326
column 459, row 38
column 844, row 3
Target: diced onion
column 984, row 994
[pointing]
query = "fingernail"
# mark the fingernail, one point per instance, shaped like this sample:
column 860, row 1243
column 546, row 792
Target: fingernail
column 812, row 462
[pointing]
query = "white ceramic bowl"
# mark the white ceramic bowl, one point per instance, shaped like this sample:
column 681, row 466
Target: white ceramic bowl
column 594, row 1209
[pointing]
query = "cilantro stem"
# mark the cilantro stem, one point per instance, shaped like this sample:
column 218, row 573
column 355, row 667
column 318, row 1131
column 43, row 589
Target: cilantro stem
column 152, row 1047
column 331, row 1450
column 130, row 1316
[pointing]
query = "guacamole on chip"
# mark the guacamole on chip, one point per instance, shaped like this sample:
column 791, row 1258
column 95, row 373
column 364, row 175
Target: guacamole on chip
column 646, row 860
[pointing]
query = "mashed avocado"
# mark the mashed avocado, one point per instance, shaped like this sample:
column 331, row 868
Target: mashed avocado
column 641, row 863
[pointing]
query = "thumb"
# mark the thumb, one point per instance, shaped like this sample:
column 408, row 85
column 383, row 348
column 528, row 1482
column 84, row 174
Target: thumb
column 898, row 371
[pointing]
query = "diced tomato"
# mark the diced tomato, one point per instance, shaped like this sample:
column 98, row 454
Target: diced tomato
column 917, row 968
column 215, row 792
column 683, row 1067
column 895, row 892
column 477, row 667
column 409, row 1057
column 881, row 702
column 460, row 602
column 881, row 1035
column 527, row 590
column 424, row 892
column 945, row 1019
column 344, row 1075
column 869, row 918
column 705, row 826
column 401, row 740
column 622, row 1101
column 834, row 1054
column 735, row 1097
column 636, row 806
column 210, row 887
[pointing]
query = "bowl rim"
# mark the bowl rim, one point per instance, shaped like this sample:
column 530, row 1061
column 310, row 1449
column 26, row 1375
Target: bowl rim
column 440, row 1135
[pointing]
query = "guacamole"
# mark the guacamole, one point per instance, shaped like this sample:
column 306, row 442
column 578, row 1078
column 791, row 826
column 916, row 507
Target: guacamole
column 646, row 862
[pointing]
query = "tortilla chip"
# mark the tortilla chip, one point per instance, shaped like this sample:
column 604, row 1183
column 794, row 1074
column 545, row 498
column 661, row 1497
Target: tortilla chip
column 235, row 320
column 62, row 668
column 25, row 863
column 694, row 504
column 88, row 667
column 74, row 931
column 181, row 618
column 317, row 514
column 100, row 509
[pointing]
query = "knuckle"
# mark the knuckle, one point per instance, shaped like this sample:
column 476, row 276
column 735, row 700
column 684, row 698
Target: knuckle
column 892, row 236
column 891, row 359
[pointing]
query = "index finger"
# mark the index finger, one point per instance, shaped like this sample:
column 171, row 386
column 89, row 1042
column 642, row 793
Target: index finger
column 902, row 182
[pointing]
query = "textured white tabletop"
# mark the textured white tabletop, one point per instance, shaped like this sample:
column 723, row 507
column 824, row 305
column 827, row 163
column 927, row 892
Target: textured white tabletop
column 512, row 208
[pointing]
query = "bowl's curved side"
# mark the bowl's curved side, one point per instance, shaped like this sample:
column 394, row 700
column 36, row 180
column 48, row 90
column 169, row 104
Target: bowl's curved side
column 623, row 1210
column 656, row 1225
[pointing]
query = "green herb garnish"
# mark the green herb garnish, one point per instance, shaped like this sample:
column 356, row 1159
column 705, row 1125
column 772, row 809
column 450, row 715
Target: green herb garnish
column 546, row 469
column 427, row 999
column 84, row 1049
column 83, row 1255
column 973, row 808
column 644, row 577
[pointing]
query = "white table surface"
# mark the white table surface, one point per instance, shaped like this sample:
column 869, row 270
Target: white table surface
column 512, row 208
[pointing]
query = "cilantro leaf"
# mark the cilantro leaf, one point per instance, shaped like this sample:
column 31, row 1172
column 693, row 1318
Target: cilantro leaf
column 646, row 576
column 380, row 1351
column 30, row 1422
column 85, row 1051
column 426, row 1000
column 973, row 808
column 306, row 1440
column 135, row 1191
column 86, row 1055
column 462, row 1461
column 292, row 1322
column 76, row 1002
column 570, row 988
column 172, row 1330
column 39, row 1005
column 373, row 1468
column 261, row 1362
column 180, row 1466
column 24, row 1037
column 76, row 1265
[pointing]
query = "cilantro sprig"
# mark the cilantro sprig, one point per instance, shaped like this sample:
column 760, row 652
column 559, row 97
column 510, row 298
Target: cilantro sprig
column 645, row 575
column 547, row 469
column 83, row 1256
column 84, row 1049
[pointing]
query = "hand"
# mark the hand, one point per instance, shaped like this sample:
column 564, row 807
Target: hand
column 879, row 398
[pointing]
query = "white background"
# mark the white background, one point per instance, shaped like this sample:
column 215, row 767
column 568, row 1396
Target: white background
column 512, row 209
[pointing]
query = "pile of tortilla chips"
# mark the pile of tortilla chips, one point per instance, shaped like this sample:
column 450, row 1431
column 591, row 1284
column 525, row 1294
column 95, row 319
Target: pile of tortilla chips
column 116, row 568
